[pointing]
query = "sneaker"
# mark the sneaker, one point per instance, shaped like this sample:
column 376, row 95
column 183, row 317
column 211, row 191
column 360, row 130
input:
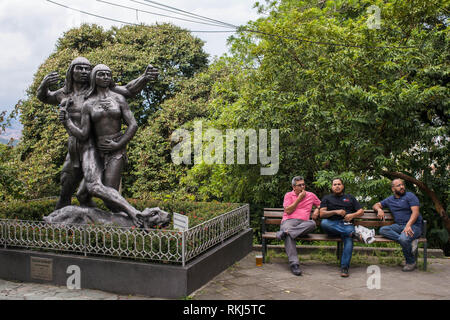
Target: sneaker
column 295, row 268
column 414, row 245
column 281, row 235
column 367, row 235
column 357, row 236
column 344, row 272
column 409, row 267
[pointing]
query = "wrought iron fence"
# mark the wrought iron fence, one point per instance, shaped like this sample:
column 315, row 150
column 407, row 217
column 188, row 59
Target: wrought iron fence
column 156, row 245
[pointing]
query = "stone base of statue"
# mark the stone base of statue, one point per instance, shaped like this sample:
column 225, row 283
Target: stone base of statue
column 149, row 218
column 124, row 276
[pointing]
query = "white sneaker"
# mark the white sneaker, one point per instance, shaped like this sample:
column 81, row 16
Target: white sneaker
column 368, row 235
column 414, row 245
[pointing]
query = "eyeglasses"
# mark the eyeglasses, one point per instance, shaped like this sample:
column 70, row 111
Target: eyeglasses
column 300, row 185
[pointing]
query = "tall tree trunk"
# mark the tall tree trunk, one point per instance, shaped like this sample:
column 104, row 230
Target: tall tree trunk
column 422, row 186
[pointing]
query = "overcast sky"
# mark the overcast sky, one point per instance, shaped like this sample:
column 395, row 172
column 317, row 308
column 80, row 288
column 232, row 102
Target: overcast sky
column 29, row 30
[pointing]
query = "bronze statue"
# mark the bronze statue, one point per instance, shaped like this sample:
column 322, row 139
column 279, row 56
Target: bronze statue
column 74, row 91
column 92, row 110
column 149, row 218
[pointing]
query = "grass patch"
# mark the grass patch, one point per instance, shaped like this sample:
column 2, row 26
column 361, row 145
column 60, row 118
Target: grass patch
column 393, row 258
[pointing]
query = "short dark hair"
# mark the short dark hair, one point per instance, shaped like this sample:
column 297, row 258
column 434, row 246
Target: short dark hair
column 340, row 179
column 392, row 182
column 297, row 178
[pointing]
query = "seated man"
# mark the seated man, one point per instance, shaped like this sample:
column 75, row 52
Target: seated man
column 296, row 219
column 337, row 210
column 408, row 222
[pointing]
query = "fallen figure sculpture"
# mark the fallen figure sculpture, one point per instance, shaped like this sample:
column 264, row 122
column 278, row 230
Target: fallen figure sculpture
column 148, row 219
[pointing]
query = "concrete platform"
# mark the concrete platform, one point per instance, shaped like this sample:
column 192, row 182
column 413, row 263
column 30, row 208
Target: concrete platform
column 123, row 276
column 273, row 281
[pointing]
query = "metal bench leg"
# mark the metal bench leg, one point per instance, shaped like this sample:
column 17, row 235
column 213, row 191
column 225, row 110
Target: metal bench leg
column 425, row 245
column 263, row 240
column 425, row 256
column 264, row 250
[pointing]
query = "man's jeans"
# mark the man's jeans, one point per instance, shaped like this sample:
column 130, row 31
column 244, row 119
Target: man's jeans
column 394, row 232
column 338, row 228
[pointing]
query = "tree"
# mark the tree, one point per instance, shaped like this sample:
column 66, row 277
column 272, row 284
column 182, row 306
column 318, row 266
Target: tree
column 368, row 104
column 127, row 51
column 154, row 171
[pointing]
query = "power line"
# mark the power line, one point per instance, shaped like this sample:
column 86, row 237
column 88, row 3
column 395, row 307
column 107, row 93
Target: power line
column 131, row 23
column 158, row 14
column 181, row 14
column 185, row 12
column 240, row 30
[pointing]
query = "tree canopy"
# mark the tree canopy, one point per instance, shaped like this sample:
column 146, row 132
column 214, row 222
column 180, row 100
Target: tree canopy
column 366, row 102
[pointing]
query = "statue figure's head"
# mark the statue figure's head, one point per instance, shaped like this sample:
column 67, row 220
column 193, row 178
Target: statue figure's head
column 154, row 217
column 78, row 71
column 100, row 76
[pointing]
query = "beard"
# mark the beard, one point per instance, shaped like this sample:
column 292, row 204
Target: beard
column 400, row 193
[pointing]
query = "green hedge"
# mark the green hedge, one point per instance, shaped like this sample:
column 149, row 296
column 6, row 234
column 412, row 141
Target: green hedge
column 198, row 212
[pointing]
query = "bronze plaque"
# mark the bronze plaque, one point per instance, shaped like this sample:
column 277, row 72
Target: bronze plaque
column 41, row 268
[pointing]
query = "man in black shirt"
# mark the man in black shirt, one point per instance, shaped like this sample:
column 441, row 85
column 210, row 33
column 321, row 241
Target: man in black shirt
column 337, row 210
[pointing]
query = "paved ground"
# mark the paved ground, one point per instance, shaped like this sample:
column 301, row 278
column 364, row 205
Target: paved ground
column 322, row 281
column 274, row 281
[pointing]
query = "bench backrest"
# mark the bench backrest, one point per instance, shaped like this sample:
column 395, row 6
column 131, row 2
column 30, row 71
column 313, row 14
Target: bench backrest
column 369, row 219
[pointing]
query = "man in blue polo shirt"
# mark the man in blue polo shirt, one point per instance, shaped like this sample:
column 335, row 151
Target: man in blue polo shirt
column 408, row 221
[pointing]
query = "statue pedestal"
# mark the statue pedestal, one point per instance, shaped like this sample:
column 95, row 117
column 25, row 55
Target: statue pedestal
column 124, row 276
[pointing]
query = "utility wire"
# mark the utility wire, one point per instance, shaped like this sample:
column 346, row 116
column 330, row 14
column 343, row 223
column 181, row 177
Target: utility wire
column 182, row 14
column 131, row 23
column 241, row 29
column 187, row 12
column 158, row 14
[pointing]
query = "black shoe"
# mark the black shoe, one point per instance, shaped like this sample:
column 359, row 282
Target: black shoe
column 281, row 235
column 295, row 268
column 344, row 272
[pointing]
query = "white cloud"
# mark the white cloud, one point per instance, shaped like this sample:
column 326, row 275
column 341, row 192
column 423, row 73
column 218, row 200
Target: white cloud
column 21, row 53
column 30, row 29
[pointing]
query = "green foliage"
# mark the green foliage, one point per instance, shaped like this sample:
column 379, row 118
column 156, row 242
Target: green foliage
column 154, row 170
column 370, row 102
column 198, row 212
column 9, row 185
column 375, row 101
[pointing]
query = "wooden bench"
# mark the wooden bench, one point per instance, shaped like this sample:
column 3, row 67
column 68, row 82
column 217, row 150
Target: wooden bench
column 273, row 216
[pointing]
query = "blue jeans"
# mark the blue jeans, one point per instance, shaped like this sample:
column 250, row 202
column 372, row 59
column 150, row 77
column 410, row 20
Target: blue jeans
column 394, row 232
column 338, row 228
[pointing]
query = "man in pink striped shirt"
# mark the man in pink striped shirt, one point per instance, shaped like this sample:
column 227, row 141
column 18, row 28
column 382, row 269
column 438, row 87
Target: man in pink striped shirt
column 296, row 219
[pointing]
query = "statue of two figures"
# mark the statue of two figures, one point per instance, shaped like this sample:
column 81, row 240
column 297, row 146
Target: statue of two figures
column 93, row 109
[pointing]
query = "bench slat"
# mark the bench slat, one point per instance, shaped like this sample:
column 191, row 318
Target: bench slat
column 373, row 223
column 324, row 237
column 372, row 215
column 273, row 221
column 367, row 215
column 310, row 237
column 271, row 214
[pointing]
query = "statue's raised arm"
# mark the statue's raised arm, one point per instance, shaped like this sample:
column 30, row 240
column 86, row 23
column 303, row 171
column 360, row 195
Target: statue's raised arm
column 43, row 92
column 135, row 86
